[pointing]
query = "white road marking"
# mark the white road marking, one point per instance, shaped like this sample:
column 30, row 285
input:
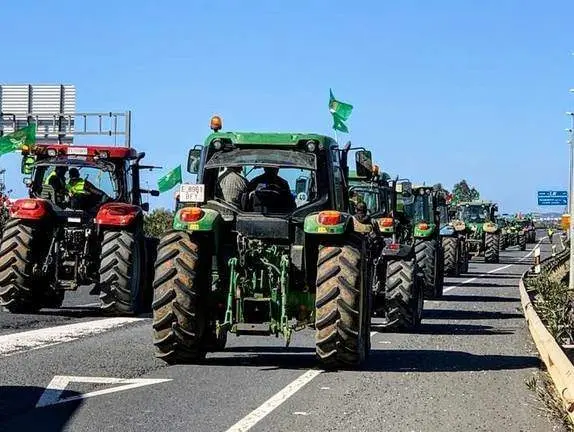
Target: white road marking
column 35, row 339
column 54, row 390
column 268, row 406
column 88, row 305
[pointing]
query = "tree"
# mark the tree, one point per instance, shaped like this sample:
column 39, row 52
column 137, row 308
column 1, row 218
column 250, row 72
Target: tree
column 461, row 191
column 158, row 222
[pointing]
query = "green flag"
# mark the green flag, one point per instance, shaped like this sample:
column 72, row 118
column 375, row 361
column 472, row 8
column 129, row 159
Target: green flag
column 16, row 140
column 339, row 125
column 341, row 109
column 169, row 180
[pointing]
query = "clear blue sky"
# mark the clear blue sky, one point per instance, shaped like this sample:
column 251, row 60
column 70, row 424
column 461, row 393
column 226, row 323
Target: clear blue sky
column 442, row 90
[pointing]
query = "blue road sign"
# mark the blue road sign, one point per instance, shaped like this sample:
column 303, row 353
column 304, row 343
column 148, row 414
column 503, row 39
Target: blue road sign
column 552, row 198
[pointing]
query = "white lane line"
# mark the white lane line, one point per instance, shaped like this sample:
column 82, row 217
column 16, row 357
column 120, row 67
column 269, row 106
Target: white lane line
column 494, row 270
column 35, row 339
column 270, row 404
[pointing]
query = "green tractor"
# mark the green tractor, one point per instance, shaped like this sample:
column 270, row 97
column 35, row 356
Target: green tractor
column 250, row 256
column 425, row 218
column 397, row 282
column 478, row 220
column 454, row 245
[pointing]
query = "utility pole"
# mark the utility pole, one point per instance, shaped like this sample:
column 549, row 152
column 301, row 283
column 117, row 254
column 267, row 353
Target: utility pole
column 571, row 203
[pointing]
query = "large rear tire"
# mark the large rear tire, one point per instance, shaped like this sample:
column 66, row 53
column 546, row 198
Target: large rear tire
column 121, row 269
column 179, row 322
column 465, row 256
column 404, row 295
column 492, row 248
column 451, row 247
column 18, row 292
column 522, row 241
column 342, row 316
column 429, row 260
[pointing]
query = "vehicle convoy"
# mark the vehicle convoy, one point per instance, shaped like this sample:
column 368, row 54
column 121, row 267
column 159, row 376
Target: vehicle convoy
column 477, row 219
column 72, row 232
column 397, row 283
column 455, row 249
column 425, row 217
column 243, row 257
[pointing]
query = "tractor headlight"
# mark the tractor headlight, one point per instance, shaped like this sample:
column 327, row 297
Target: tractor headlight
column 489, row 227
column 311, row 146
column 217, row 145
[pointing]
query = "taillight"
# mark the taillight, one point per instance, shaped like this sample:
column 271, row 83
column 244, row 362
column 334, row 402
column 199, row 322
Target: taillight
column 423, row 226
column 387, row 222
column 394, row 246
column 191, row 214
column 329, row 217
column 117, row 214
column 28, row 209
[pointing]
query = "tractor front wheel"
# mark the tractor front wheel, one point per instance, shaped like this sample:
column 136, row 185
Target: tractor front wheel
column 342, row 316
column 179, row 323
column 522, row 241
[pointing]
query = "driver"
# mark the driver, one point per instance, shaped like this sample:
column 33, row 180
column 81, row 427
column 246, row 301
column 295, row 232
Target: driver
column 80, row 188
column 270, row 180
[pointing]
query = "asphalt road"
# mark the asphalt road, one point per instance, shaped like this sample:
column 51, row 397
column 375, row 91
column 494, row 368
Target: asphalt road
column 464, row 370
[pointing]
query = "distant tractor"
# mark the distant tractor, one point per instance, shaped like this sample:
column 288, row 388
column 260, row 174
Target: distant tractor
column 74, row 231
column 425, row 217
column 258, row 259
column 455, row 248
column 398, row 281
column 481, row 228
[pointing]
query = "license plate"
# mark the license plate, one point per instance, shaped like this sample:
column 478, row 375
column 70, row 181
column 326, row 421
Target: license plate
column 192, row 193
column 81, row 151
column 74, row 220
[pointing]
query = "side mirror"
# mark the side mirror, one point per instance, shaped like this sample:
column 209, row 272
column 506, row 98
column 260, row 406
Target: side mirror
column 364, row 163
column 140, row 156
column 145, row 207
column 27, row 165
column 154, row 193
column 193, row 161
column 300, row 185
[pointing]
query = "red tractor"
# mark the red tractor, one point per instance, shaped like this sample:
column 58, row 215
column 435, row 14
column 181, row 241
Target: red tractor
column 81, row 225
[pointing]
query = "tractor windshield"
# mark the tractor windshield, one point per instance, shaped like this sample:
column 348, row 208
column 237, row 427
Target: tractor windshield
column 444, row 216
column 370, row 196
column 421, row 208
column 56, row 173
column 266, row 180
column 473, row 213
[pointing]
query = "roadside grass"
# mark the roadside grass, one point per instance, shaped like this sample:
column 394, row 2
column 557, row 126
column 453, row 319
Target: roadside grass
column 550, row 403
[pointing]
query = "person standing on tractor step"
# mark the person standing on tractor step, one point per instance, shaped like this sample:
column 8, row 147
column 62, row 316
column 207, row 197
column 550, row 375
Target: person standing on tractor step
column 82, row 191
column 550, row 234
column 232, row 185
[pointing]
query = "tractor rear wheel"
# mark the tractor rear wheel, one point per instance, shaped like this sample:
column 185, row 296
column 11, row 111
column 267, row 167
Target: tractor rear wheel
column 178, row 308
column 18, row 290
column 465, row 258
column 522, row 241
column 404, row 295
column 452, row 251
column 121, row 271
column 342, row 317
column 492, row 248
column 429, row 260
column 503, row 241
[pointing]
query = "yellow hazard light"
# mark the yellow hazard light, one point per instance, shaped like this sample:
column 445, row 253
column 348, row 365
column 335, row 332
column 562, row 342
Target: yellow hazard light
column 215, row 124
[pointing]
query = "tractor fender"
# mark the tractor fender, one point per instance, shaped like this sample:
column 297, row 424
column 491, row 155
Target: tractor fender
column 118, row 215
column 203, row 219
column 30, row 209
column 312, row 224
column 424, row 233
